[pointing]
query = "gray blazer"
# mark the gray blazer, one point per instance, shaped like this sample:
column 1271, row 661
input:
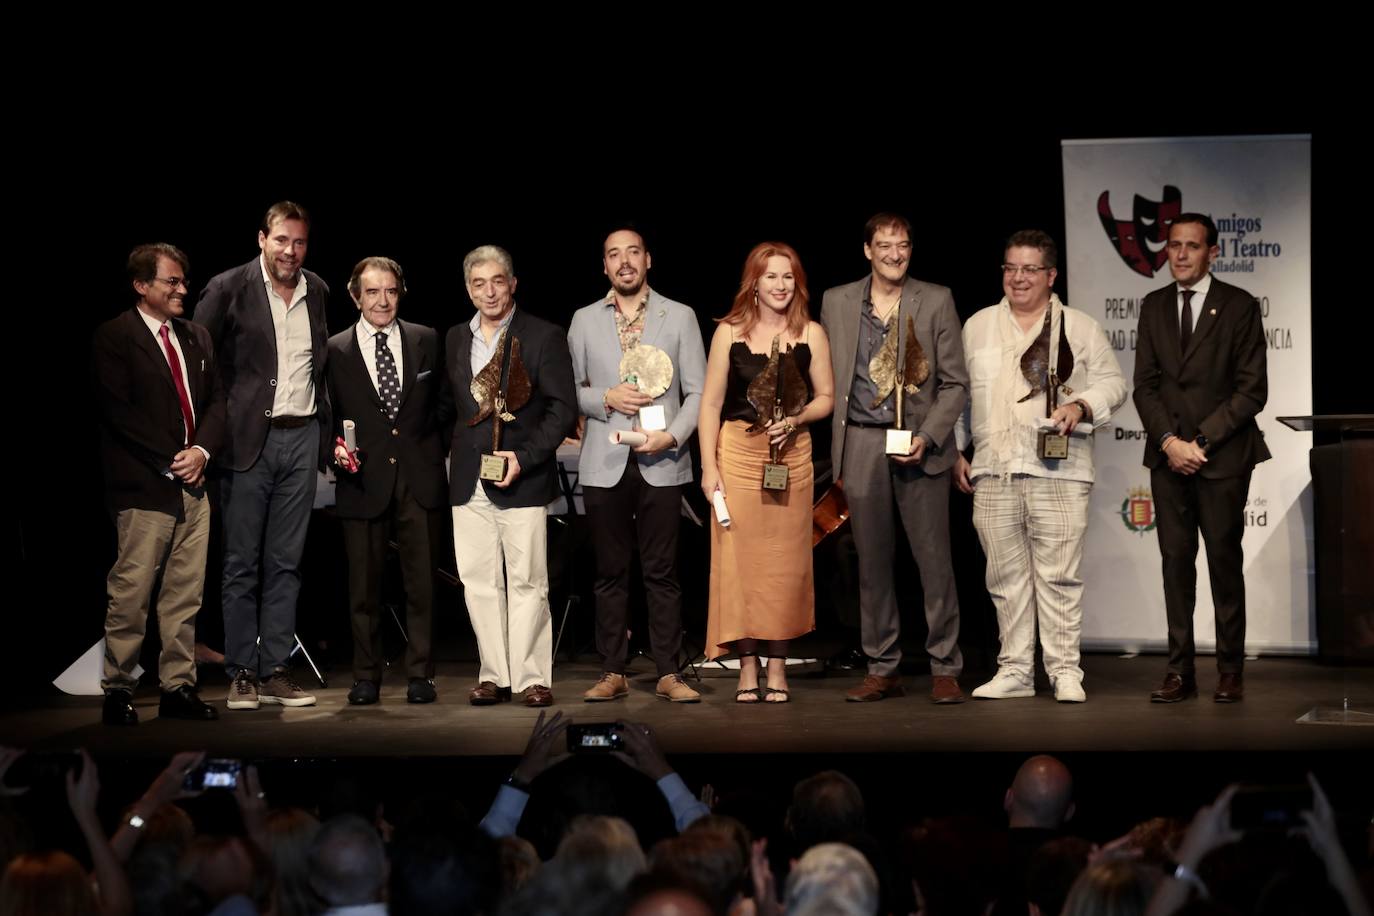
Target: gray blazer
column 933, row 410
column 668, row 325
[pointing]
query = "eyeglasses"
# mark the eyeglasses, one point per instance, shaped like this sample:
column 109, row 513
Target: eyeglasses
column 1030, row 270
column 173, row 282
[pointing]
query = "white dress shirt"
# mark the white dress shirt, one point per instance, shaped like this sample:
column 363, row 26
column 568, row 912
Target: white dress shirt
column 155, row 327
column 367, row 342
column 1200, row 289
column 295, row 391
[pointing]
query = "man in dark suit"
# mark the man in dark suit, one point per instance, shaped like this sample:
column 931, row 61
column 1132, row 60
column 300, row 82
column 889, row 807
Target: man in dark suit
column 386, row 378
column 267, row 320
column 162, row 419
column 858, row 317
column 1200, row 379
column 499, row 537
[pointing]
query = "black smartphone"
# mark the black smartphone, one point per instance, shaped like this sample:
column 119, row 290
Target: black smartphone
column 594, row 737
column 215, row 773
column 1269, row 807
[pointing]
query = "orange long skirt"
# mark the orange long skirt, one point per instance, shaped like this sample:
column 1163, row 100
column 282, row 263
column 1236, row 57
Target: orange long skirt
column 761, row 579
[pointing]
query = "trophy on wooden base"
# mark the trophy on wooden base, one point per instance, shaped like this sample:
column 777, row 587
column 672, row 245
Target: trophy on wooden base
column 498, row 401
column 779, row 391
column 905, row 376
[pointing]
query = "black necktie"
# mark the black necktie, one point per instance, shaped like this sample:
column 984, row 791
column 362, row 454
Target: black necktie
column 1185, row 327
column 388, row 383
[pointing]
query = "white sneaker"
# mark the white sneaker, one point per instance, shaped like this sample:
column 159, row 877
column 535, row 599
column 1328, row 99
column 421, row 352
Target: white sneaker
column 1004, row 686
column 1069, row 690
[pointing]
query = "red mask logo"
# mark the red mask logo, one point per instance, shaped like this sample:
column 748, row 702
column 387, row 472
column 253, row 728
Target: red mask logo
column 1150, row 225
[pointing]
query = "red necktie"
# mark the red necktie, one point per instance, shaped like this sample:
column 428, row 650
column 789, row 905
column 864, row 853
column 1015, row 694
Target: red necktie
column 175, row 363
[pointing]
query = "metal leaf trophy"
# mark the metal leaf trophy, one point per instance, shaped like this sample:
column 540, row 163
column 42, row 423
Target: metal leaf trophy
column 1035, row 368
column 648, row 368
column 883, row 369
column 651, row 371
column 776, row 392
column 493, row 402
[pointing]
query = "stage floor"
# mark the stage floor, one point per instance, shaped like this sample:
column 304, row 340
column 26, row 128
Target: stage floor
column 1117, row 718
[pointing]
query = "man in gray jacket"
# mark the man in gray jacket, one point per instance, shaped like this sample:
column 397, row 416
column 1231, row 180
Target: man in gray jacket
column 633, row 493
column 860, row 317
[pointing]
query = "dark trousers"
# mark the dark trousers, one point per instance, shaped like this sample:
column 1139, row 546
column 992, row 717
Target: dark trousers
column 872, row 485
column 266, row 512
column 628, row 515
column 1185, row 505
column 418, row 533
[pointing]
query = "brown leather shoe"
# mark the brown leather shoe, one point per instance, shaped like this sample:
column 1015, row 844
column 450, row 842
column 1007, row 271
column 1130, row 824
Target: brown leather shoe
column 1230, row 689
column 875, row 688
column 945, row 689
column 488, row 694
column 673, row 688
column 612, row 686
column 1175, row 688
column 538, row 695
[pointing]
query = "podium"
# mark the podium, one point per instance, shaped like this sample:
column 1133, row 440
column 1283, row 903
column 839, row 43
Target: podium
column 1342, row 463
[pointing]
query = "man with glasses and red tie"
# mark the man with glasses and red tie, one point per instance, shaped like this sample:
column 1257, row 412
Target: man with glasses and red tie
column 1200, row 379
column 162, row 417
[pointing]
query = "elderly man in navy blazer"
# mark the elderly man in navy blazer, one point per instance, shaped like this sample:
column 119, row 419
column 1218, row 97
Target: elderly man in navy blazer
column 267, row 321
column 633, row 494
column 162, row 419
column 386, row 377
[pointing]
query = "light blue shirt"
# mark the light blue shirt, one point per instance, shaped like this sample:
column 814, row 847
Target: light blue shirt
column 482, row 352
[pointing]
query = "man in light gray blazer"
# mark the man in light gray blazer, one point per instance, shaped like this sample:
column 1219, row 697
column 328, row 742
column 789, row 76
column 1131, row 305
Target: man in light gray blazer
column 633, row 494
column 857, row 317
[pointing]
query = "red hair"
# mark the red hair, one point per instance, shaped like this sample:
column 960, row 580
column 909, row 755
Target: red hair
column 744, row 312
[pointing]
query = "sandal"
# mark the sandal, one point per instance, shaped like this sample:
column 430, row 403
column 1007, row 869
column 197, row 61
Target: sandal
column 769, row 691
column 752, row 692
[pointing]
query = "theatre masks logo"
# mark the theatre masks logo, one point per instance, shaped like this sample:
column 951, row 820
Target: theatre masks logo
column 1141, row 242
column 1138, row 510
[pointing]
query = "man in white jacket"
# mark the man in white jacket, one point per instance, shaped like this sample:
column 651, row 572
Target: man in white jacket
column 1031, row 511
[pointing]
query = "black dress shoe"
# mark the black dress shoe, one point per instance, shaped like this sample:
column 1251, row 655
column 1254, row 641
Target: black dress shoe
column 849, row 660
column 364, row 693
column 421, row 690
column 1175, row 687
column 119, row 708
column 185, row 703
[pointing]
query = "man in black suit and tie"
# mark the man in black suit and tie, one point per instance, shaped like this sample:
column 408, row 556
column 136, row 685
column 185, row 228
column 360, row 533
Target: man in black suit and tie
column 267, row 321
column 386, row 378
column 162, row 418
column 506, row 362
column 1200, row 379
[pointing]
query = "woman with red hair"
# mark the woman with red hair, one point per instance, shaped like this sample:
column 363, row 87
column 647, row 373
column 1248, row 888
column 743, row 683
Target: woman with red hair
column 761, row 585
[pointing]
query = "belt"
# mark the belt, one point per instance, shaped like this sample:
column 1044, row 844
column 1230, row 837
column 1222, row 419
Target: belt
column 290, row 422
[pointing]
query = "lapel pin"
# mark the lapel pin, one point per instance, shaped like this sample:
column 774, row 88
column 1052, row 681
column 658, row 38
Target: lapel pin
column 661, row 313
column 1212, row 312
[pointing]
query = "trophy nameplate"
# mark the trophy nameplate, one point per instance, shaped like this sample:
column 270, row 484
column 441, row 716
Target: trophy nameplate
column 493, row 467
column 1051, row 446
column 653, row 417
column 778, row 392
column 898, row 442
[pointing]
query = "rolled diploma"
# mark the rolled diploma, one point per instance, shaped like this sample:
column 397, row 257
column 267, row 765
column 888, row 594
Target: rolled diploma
column 722, row 513
column 632, row 438
column 350, row 436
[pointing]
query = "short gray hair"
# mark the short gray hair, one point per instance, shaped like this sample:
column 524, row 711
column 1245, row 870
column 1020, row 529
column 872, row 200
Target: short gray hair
column 484, row 253
column 832, row 878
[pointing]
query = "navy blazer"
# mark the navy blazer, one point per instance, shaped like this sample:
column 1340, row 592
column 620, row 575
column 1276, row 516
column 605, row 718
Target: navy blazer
column 1215, row 389
column 233, row 307
column 141, row 427
column 412, row 445
column 539, row 427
